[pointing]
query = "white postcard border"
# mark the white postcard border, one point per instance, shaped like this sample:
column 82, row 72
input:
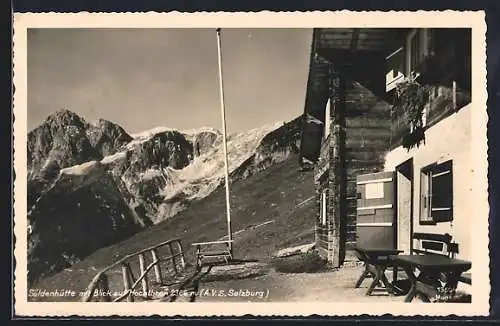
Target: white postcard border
column 448, row 18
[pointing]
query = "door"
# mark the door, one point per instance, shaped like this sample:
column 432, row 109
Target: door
column 375, row 210
column 404, row 190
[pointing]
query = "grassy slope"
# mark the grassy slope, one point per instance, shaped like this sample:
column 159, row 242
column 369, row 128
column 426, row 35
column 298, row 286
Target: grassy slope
column 270, row 195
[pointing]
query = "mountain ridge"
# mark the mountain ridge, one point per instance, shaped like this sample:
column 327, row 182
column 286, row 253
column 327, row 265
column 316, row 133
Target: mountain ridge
column 82, row 175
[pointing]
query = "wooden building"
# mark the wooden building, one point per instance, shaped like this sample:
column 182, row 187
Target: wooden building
column 372, row 187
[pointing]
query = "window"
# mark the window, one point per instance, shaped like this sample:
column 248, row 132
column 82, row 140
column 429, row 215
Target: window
column 395, row 68
column 323, row 205
column 415, row 51
column 436, row 193
column 327, row 120
column 418, row 48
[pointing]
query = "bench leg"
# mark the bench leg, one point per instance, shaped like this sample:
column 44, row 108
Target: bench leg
column 411, row 294
column 376, row 280
column 380, row 279
column 383, row 277
column 373, row 285
column 361, row 278
column 413, row 289
column 385, row 281
column 394, row 274
column 198, row 258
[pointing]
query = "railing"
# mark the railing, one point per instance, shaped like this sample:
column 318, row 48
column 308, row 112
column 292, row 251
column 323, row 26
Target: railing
column 100, row 284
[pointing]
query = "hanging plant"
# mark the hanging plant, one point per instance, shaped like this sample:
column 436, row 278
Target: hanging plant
column 410, row 101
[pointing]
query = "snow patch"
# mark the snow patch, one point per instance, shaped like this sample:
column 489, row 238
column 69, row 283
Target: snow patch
column 82, row 169
column 151, row 132
column 206, row 172
column 191, row 134
column 150, row 174
column 200, row 130
column 113, row 158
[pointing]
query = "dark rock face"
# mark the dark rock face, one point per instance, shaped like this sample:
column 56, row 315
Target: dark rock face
column 65, row 139
column 165, row 149
column 275, row 147
column 60, row 141
column 105, row 137
column 203, row 142
column 91, row 185
column 69, row 223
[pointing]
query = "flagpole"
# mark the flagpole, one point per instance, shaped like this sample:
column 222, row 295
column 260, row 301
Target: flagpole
column 226, row 170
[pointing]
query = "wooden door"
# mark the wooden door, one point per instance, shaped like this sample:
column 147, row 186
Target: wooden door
column 404, row 206
column 403, row 215
column 375, row 210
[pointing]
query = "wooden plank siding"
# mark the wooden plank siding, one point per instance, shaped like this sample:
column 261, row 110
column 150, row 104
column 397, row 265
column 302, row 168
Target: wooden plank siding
column 368, row 137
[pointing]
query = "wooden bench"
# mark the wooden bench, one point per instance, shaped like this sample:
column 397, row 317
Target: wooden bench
column 434, row 244
column 438, row 244
column 213, row 249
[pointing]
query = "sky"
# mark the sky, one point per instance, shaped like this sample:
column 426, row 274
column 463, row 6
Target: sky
column 145, row 78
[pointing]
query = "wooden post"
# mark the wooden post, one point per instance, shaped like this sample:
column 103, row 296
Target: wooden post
column 102, row 287
column 198, row 257
column 172, row 255
column 144, row 280
column 105, row 287
column 126, row 281
column 224, row 142
column 337, row 168
column 183, row 262
column 157, row 266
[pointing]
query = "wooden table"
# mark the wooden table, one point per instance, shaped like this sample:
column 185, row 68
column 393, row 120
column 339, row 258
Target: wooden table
column 376, row 261
column 432, row 268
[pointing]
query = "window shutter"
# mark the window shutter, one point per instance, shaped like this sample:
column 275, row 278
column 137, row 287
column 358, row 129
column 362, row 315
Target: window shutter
column 442, row 193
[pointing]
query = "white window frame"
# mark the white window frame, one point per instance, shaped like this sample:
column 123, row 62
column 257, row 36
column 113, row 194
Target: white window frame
column 426, row 193
column 328, row 110
column 323, row 211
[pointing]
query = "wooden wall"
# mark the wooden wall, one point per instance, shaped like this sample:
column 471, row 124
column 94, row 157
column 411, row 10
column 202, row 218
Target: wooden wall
column 316, row 99
column 368, row 136
column 367, row 139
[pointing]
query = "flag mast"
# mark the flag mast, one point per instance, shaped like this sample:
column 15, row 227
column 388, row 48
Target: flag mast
column 223, row 114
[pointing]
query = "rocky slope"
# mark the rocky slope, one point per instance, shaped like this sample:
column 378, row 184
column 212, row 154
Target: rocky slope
column 93, row 184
